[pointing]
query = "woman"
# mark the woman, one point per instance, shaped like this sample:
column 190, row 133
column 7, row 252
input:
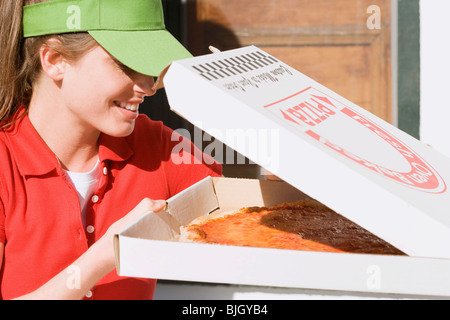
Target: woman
column 77, row 162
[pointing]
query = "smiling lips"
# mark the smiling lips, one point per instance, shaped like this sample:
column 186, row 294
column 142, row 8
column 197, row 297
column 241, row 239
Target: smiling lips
column 128, row 106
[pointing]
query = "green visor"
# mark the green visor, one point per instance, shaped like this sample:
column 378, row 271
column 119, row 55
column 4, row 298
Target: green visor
column 132, row 31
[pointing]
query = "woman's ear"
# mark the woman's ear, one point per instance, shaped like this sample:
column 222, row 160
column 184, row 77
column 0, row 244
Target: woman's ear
column 52, row 61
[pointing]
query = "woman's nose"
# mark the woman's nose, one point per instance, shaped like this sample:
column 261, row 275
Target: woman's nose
column 143, row 84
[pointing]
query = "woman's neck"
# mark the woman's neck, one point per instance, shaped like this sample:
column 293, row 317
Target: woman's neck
column 74, row 143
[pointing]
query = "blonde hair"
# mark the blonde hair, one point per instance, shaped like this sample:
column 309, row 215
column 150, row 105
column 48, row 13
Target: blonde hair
column 20, row 63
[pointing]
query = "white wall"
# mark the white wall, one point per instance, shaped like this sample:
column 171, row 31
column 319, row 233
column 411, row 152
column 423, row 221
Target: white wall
column 435, row 74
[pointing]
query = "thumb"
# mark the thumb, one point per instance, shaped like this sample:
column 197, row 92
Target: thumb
column 151, row 205
column 143, row 207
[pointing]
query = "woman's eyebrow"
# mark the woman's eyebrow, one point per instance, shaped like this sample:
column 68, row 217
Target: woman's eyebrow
column 123, row 67
column 120, row 64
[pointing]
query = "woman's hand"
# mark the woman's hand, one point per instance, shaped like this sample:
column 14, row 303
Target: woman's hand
column 143, row 207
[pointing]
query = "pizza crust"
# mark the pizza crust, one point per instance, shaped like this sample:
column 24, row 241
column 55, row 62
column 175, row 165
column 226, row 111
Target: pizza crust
column 193, row 233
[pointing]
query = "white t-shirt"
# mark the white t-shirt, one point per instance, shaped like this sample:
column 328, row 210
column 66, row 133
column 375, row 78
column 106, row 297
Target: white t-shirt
column 85, row 183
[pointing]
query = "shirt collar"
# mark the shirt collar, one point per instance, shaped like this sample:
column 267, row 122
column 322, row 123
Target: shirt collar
column 34, row 157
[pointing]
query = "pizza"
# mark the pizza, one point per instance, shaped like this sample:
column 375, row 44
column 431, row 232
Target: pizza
column 304, row 225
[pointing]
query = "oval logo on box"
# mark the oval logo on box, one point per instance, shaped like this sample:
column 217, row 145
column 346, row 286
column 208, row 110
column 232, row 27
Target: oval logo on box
column 357, row 138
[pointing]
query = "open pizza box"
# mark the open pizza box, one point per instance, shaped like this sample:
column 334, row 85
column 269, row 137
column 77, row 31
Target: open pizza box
column 324, row 147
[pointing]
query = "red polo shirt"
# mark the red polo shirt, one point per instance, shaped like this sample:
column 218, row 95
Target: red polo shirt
column 40, row 219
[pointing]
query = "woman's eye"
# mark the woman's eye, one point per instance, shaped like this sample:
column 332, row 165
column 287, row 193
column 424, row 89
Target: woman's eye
column 126, row 70
column 122, row 67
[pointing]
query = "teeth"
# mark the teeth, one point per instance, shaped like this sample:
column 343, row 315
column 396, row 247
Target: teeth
column 132, row 107
column 128, row 106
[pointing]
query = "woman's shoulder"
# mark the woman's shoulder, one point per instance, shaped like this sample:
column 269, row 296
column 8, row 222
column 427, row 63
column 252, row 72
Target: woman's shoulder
column 151, row 133
column 144, row 123
column 151, row 129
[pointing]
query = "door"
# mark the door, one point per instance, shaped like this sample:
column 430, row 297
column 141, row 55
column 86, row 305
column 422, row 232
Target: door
column 343, row 44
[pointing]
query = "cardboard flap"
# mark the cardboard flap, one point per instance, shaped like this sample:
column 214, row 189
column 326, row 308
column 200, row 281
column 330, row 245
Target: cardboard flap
column 186, row 206
column 336, row 152
column 234, row 193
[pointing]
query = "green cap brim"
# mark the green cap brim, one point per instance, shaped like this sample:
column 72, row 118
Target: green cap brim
column 132, row 31
column 145, row 51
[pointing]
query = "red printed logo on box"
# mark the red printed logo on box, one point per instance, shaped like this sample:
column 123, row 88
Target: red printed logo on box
column 310, row 109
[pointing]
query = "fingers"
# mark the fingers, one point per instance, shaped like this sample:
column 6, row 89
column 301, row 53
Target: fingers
column 147, row 205
column 151, row 205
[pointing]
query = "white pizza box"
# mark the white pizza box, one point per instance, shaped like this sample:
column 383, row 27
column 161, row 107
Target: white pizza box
column 331, row 149
column 149, row 249
column 322, row 145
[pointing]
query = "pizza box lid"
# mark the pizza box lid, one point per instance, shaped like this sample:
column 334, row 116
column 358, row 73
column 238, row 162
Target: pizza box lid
column 319, row 142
